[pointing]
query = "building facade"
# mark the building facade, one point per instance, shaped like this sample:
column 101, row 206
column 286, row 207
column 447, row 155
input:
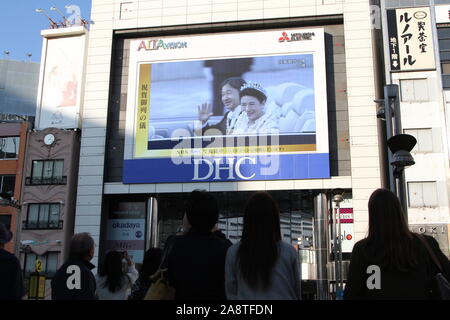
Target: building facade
column 50, row 171
column 18, row 87
column 117, row 205
column 48, row 199
column 419, row 72
column 13, row 138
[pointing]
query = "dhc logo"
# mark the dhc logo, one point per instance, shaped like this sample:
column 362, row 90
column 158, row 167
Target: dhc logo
column 215, row 167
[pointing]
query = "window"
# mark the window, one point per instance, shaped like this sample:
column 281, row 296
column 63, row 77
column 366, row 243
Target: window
column 422, row 194
column 424, row 139
column 47, row 172
column 7, row 183
column 414, row 90
column 446, row 68
column 49, row 263
column 43, row 216
column 9, row 148
column 6, row 220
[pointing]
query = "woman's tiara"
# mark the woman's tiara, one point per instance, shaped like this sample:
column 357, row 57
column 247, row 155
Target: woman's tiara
column 254, row 86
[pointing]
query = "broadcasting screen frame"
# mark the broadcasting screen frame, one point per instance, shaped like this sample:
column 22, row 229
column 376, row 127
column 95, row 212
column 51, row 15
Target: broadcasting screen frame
column 171, row 77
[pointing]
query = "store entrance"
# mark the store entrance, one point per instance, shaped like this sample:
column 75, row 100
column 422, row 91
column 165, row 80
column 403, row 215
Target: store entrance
column 296, row 220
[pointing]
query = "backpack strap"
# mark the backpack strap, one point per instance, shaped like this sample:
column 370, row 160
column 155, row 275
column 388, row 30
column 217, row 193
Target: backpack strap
column 430, row 252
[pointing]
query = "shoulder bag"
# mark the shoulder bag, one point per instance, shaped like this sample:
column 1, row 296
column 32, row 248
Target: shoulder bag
column 441, row 284
column 160, row 288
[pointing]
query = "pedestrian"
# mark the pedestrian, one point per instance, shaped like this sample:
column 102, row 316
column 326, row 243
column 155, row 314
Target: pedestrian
column 218, row 233
column 117, row 276
column 74, row 279
column 261, row 266
column 11, row 278
column 152, row 260
column 395, row 259
column 196, row 260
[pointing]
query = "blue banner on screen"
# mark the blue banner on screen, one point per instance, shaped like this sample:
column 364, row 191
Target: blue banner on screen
column 300, row 166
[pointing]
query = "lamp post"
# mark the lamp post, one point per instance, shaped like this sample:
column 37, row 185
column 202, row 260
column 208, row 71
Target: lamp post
column 66, row 23
column 337, row 247
column 399, row 144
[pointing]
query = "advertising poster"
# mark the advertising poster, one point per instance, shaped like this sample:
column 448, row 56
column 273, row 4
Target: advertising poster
column 227, row 107
column 61, row 84
column 125, row 230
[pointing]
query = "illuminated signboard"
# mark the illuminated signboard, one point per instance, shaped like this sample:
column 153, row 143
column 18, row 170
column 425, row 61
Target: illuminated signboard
column 227, row 107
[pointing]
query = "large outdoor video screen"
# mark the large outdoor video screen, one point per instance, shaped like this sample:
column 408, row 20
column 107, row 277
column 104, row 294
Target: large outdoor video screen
column 227, row 107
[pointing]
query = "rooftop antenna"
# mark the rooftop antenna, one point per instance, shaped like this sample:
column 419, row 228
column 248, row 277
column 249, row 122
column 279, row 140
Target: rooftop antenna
column 29, row 54
column 53, row 24
column 66, row 22
column 6, row 54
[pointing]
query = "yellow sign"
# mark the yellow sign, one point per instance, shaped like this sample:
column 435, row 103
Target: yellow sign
column 36, row 289
column 143, row 109
column 41, row 287
column 32, row 289
column 38, row 266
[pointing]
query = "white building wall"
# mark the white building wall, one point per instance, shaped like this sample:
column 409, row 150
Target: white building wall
column 430, row 166
column 117, row 14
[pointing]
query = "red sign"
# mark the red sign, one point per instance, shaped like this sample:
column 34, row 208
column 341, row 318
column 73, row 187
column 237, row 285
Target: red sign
column 346, row 215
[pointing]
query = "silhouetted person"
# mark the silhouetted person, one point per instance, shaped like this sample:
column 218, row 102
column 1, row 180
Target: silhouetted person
column 405, row 267
column 11, row 279
column 261, row 266
column 152, row 260
column 196, row 261
column 82, row 248
column 115, row 280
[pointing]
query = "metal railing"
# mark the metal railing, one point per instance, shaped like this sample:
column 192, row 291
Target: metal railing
column 26, row 225
column 36, row 181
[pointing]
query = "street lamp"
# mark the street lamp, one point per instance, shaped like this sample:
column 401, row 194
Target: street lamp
column 399, row 144
column 53, row 24
column 337, row 244
column 66, row 22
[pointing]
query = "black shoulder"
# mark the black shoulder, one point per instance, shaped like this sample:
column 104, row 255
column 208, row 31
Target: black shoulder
column 360, row 245
column 432, row 242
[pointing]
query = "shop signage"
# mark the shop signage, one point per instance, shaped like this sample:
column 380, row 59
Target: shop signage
column 410, row 39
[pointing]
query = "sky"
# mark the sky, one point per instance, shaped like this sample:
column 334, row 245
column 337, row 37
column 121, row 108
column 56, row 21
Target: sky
column 21, row 25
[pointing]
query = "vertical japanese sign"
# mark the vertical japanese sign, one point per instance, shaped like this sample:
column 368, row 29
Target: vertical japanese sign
column 143, row 107
column 410, row 39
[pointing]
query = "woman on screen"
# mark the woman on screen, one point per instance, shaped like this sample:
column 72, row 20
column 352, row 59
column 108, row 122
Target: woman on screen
column 256, row 120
